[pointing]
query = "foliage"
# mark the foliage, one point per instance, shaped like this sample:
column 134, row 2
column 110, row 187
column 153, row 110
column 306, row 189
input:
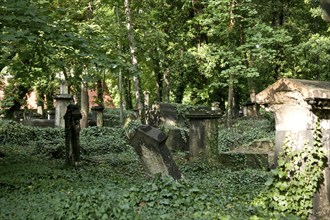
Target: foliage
column 50, row 141
column 13, row 133
column 103, row 140
column 112, row 118
column 130, row 127
column 241, row 134
column 297, row 178
column 120, row 191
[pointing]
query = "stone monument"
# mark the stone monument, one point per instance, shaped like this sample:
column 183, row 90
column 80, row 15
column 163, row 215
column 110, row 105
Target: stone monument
column 97, row 115
column 203, row 135
column 297, row 105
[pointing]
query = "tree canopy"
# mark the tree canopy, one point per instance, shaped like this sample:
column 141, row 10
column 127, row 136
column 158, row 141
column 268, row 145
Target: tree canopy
column 188, row 51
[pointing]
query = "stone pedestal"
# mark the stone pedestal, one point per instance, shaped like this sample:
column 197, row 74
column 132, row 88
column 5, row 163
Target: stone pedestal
column 97, row 115
column 297, row 104
column 149, row 144
column 203, row 135
column 62, row 101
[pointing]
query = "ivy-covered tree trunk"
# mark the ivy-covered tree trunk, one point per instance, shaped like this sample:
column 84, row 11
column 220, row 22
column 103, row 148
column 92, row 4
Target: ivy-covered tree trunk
column 252, row 86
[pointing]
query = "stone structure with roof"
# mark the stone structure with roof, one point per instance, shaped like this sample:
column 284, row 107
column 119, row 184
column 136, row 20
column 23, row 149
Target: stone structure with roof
column 297, row 104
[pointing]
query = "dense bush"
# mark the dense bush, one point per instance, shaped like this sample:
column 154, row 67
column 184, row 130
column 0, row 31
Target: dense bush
column 17, row 134
column 51, row 141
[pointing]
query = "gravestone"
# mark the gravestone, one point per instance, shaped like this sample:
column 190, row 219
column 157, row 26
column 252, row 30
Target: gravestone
column 203, row 135
column 297, row 105
column 97, row 115
column 149, row 144
column 178, row 139
column 72, row 130
column 61, row 103
column 243, row 160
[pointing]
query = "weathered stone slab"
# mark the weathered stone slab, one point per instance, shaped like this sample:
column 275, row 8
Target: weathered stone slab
column 72, row 130
column 97, row 115
column 149, row 144
column 203, row 135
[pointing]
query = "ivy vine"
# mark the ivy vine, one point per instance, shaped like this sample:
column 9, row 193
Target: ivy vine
column 296, row 179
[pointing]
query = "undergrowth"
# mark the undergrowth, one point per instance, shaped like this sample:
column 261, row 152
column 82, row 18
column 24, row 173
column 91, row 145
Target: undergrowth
column 244, row 131
column 113, row 184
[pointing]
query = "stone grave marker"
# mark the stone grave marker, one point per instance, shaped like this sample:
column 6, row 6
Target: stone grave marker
column 149, row 144
column 297, row 105
column 203, row 135
column 72, row 130
column 61, row 103
column 97, row 115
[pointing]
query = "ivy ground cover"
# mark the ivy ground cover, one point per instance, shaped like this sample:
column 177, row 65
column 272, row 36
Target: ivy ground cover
column 33, row 187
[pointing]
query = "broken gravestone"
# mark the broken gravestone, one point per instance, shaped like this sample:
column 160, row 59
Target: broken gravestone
column 72, row 130
column 149, row 144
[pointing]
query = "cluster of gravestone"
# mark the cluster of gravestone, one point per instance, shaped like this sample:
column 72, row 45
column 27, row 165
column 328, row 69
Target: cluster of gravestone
column 296, row 104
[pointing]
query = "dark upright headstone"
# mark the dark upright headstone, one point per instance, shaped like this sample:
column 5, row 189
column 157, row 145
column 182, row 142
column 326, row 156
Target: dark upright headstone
column 72, row 129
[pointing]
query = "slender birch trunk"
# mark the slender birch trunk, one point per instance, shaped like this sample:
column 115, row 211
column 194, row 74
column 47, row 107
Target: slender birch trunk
column 132, row 46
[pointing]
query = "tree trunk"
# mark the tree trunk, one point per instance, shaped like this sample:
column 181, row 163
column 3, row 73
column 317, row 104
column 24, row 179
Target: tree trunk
column 132, row 46
column 230, row 80
column 84, row 105
column 99, row 88
column 230, row 102
column 167, row 85
column 127, row 93
column 159, row 81
column 252, row 88
column 121, row 101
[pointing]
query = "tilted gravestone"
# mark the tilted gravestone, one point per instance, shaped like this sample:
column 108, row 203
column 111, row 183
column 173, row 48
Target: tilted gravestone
column 297, row 105
column 149, row 144
column 72, row 130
